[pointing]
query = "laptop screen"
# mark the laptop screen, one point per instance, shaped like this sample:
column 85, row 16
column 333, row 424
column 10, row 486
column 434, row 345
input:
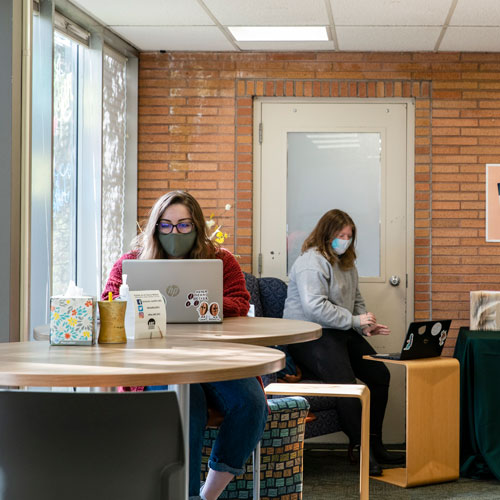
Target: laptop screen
column 425, row 339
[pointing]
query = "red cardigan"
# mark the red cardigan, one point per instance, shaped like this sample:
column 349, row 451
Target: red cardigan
column 236, row 299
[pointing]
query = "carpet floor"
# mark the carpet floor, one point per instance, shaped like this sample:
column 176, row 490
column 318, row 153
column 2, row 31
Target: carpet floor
column 329, row 475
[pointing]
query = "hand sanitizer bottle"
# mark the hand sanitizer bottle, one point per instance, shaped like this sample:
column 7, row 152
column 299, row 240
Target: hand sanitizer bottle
column 124, row 288
column 129, row 313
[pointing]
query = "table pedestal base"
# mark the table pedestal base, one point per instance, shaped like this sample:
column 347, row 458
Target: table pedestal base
column 182, row 479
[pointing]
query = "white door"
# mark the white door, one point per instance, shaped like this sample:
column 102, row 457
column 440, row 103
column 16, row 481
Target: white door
column 312, row 156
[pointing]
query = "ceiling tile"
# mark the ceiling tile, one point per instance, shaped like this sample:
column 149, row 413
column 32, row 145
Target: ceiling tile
column 389, row 12
column 378, row 38
column 471, row 39
column 269, row 13
column 476, row 13
column 147, row 12
column 361, row 25
column 285, row 46
column 199, row 38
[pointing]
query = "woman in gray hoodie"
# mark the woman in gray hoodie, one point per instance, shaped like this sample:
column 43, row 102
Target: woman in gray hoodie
column 324, row 288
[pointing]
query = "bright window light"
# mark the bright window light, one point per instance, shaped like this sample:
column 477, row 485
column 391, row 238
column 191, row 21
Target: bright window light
column 278, row 33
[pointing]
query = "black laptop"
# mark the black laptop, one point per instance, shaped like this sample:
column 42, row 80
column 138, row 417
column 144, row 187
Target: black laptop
column 424, row 339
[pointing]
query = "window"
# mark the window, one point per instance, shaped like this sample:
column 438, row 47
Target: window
column 65, row 164
column 114, row 130
column 74, row 179
column 84, row 146
column 68, row 198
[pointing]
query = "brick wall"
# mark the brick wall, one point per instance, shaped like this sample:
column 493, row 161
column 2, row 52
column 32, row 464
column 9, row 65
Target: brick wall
column 195, row 133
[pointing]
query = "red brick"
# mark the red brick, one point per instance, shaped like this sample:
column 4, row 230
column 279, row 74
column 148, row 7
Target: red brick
column 180, row 94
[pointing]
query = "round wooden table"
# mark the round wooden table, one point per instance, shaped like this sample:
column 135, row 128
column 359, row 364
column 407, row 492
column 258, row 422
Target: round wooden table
column 188, row 338
column 140, row 362
column 137, row 363
column 245, row 330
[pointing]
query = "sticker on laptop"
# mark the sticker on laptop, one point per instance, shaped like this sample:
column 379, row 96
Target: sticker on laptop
column 442, row 338
column 203, row 311
column 194, row 299
column 208, row 312
column 436, row 328
column 409, row 343
column 213, row 312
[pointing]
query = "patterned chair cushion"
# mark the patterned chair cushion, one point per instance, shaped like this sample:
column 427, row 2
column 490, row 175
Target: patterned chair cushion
column 272, row 296
column 252, row 284
column 326, row 422
column 273, row 293
column 281, row 454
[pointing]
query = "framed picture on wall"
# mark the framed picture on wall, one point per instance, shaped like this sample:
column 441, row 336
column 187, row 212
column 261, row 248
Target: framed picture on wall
column 493, row 202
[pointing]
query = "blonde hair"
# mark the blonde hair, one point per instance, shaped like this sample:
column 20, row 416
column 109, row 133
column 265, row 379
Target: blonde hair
column 326, row 230
column 147, row 244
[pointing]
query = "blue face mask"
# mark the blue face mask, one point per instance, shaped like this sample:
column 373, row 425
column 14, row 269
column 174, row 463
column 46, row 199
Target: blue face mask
column 340, row 246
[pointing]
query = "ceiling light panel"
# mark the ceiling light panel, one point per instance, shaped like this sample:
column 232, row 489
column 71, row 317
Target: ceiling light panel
column 390, row 12
column 285, row 46
column 269, row 13
column 278, row 33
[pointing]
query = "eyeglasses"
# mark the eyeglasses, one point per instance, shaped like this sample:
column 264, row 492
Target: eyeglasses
column 183, row 227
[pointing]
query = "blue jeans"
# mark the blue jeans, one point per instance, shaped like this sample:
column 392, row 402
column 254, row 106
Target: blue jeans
column 243, row 404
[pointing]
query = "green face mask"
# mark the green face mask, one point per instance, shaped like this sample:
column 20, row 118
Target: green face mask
column 177, row 245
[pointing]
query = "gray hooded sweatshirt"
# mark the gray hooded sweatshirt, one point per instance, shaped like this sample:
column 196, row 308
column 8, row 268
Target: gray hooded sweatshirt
column 323, row 293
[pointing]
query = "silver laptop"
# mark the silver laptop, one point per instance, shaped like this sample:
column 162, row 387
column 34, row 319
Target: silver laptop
column 192, row 288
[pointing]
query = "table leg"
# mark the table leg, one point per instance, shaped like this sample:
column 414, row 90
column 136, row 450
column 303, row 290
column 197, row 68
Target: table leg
column 182, row 391
column 256, row 472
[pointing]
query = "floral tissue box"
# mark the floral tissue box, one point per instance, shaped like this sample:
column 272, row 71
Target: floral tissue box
column 72, row 320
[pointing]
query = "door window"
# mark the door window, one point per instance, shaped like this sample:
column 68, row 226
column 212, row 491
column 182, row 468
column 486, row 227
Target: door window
column 333, row 166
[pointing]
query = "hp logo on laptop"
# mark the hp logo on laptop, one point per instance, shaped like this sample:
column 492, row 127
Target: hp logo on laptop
column 172, row 290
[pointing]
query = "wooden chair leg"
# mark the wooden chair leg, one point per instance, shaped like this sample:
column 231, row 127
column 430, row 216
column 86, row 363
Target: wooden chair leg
column 364, row 460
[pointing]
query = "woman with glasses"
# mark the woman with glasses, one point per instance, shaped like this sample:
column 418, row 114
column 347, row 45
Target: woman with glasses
column 323, row 288
column 176, row 229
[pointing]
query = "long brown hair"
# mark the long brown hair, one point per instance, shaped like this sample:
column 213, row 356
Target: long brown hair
column 321, row 237
column 147, row 243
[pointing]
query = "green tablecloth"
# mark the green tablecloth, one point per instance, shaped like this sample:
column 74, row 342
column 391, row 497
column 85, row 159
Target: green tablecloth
column 479, row 357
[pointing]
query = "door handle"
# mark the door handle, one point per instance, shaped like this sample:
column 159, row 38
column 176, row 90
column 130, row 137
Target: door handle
column 394, row 280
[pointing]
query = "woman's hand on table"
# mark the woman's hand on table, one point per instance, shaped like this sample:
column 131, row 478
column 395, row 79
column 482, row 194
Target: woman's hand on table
column 376, row 329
